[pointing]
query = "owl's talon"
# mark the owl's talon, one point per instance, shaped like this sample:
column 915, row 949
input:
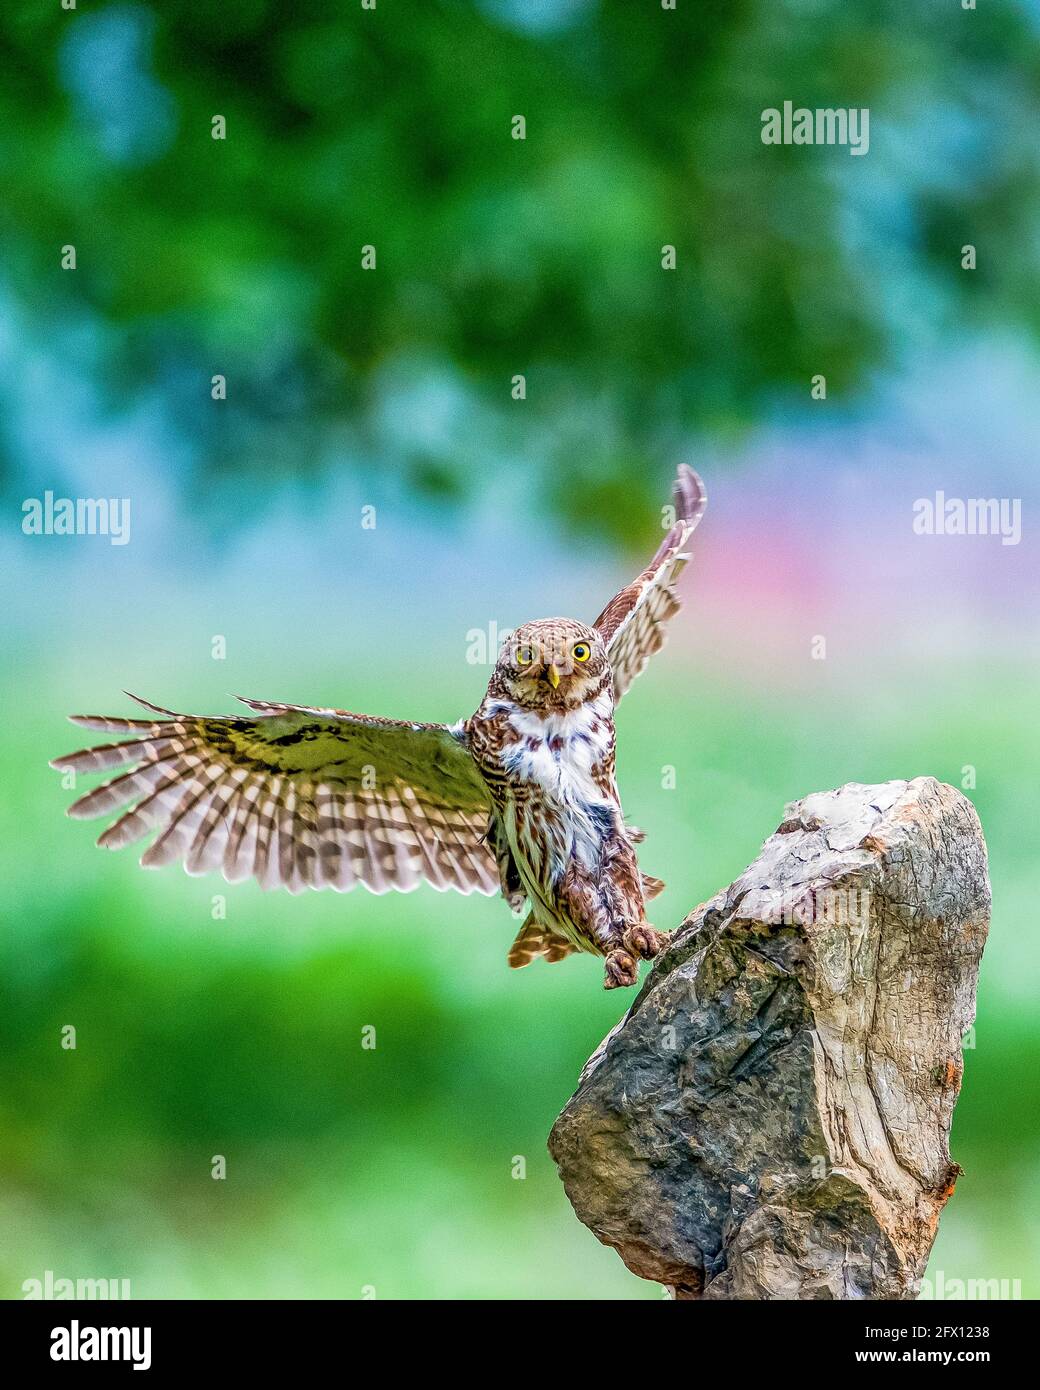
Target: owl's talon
column 620, row 970
column 642, row 940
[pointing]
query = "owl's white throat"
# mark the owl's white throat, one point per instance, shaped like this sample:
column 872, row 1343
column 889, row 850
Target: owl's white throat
column 559, row 751
column 580, row 723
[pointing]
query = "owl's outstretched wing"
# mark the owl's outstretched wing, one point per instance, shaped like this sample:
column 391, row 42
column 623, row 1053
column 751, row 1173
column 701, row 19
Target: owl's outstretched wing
column 295, row 797
column 633, row 622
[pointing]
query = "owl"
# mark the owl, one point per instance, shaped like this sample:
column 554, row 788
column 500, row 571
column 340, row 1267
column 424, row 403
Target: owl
column 520, row 798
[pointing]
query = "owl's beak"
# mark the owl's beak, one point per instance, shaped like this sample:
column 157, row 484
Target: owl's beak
column 554, row 675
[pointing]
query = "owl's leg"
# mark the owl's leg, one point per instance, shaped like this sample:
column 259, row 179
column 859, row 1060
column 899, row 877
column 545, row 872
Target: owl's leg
column 586, row 903
column 642, row 940
column 620, row 970
column 637, row 942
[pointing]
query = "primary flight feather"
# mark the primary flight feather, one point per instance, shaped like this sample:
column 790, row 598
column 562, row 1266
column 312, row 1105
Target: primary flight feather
column 519, row 799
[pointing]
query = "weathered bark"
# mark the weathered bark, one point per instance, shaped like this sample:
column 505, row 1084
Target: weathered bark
column 771, row 1118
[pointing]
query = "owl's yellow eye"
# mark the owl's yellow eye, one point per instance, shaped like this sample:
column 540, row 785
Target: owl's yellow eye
column 524, row 656
column 581, row 652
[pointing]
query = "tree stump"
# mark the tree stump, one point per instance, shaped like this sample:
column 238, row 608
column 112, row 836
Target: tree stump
column 771, row 1118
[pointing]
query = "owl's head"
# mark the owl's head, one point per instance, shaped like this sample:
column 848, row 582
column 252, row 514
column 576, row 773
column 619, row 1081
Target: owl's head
column 554, row 663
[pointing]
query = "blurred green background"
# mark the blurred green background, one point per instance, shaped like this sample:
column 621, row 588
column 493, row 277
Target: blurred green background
column 393, row 1169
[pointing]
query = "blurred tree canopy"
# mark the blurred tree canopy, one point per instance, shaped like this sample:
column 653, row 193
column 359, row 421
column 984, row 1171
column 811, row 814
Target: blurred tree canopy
column 348, row 127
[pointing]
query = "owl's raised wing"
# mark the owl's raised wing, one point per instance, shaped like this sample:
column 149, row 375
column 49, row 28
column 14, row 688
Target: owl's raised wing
column 294, row 796
column 633, row 622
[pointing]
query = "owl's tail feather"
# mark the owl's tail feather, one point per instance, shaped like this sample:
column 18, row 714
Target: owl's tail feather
column 534, row 940
column 652, row 886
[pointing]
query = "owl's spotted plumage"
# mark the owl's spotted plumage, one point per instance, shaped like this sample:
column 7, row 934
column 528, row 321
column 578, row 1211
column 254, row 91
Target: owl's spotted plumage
column 520, row 797
column 545, row 748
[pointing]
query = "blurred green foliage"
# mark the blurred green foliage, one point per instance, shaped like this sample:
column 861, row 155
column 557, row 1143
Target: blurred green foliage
column 391, row 127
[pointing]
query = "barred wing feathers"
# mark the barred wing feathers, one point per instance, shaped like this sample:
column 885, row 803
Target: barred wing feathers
column 633, row 624
column 294, row 796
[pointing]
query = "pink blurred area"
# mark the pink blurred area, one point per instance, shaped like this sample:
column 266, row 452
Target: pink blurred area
column 812, row 535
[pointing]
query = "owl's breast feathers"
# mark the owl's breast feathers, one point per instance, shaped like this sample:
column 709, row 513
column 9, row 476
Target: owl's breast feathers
column 551, row 780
